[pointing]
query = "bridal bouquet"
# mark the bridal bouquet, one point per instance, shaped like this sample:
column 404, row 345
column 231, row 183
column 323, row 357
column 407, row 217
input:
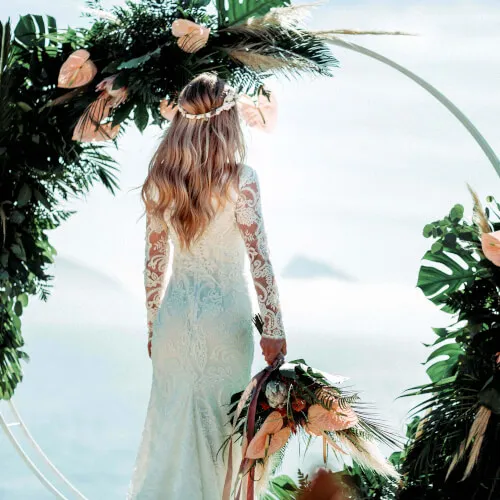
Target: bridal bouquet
column 292, row 398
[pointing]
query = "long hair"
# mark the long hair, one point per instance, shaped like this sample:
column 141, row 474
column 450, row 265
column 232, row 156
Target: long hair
column 196, row 161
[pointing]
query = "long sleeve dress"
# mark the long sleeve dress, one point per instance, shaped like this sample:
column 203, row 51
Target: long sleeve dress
column 202, row 344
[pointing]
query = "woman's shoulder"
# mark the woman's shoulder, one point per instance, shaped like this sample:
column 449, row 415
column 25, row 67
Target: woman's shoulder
column 247, row 174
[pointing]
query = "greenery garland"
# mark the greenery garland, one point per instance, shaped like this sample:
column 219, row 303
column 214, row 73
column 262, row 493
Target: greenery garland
column 453, row 452
column 39, row 166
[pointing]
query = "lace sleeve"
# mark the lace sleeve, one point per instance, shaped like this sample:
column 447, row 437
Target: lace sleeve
column 250, row 221
column 157, row 253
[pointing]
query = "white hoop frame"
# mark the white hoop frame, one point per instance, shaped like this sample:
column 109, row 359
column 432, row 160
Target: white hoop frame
column 487, row 149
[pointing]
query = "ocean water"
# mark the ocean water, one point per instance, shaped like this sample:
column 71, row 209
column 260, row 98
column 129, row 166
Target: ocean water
column 86, row 388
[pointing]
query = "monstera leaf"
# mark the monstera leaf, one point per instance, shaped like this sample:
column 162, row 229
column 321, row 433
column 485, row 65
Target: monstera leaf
column 438, row 282
column 237, row 12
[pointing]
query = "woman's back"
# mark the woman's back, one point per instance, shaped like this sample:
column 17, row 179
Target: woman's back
column 211, row 273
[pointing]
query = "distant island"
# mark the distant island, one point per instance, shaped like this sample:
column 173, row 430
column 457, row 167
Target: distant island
column 301, row 266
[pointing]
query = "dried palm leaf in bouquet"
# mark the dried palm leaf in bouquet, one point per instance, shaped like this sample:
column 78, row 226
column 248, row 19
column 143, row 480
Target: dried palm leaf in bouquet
column 292, row 398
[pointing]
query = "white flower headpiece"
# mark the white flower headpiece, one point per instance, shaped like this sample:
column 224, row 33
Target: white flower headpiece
column 229, row 101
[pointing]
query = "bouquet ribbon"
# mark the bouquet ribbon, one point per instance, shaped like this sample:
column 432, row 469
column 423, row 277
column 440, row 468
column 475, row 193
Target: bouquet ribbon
column 251, row 392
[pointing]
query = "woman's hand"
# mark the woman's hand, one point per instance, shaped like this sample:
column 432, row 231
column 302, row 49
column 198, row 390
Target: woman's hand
column 271, row 348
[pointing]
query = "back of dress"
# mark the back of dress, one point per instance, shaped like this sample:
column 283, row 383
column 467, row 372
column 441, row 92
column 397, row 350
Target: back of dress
column 202, row 343
column 214, row 268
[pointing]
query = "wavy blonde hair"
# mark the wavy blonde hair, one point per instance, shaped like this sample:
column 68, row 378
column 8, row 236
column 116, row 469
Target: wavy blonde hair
column 195, row 161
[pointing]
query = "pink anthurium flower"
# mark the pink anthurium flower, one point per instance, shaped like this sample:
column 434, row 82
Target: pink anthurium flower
column 490, row 244
column 89, row 127
column 262, row 114
column 115, row 96
column 271, row 437
column 337, row 419
column 77, row 70
column 192, row 36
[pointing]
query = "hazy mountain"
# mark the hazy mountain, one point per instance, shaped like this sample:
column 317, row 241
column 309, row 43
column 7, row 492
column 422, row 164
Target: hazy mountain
column 301, row 266
column 82, row 295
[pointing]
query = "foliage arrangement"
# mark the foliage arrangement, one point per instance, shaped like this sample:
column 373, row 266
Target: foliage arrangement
column 138, row 48
column 292, row 398
column 452, row 437
column 39, row 166
column 453, row 453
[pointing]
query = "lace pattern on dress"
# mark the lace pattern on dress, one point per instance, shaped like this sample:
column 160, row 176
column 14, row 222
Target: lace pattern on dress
column 157, row 253
column 248, row 213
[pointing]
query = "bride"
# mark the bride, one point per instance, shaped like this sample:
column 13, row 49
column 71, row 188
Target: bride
column 200, row 196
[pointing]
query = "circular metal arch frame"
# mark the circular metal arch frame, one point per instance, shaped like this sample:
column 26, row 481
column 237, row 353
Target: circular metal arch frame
column 483, row 144
column 487, row 149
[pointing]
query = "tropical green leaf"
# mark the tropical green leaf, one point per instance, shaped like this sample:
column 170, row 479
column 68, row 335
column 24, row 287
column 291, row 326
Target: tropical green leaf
column 51, row 25
column 24, row 195
column 237, row 12
column 23, row 298
column 25, row 30
column 16, row 217
column 437, row 284
column 41, row 30
column 281, row 487
column 451, row 350
column 138, row 61
column 122, row 113
column 4, row 48
column 141, row 116
column 18, row 251
column 441, row 369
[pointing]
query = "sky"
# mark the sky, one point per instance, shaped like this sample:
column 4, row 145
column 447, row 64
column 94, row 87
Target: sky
column 358, row 163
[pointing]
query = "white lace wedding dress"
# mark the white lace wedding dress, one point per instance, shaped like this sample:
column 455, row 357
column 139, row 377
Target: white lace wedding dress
column 202, row 345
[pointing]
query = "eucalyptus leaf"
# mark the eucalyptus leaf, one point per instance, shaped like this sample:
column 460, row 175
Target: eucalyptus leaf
column 457, row 213
column 18, row 308
column 23, row 299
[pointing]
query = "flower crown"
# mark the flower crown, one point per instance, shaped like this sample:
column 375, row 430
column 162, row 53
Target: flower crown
column 229, row 101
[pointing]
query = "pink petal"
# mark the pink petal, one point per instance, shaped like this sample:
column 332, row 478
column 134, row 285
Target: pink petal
column 272, row 424
column 336, row 419
column 262, row 115
column 181, row 27
column 257, row 446
column 192, row 36
column 279, row 440
column 490, row 244
column 77, row 70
